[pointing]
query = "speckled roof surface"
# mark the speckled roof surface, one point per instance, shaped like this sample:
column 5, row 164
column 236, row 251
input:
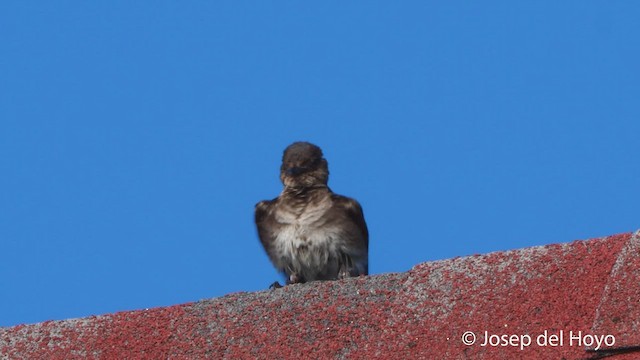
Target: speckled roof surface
column 558, row 297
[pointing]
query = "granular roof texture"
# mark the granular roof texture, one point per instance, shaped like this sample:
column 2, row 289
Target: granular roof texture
column 549, row 302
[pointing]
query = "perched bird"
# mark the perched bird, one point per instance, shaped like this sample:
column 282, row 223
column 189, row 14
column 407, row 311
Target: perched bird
column 308, row 232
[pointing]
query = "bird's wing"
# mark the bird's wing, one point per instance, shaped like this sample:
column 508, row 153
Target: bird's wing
column 264, row 223
column 356, row 256
column 353, row 210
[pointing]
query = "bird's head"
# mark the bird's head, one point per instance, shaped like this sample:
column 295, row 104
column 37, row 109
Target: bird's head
column 303, row 166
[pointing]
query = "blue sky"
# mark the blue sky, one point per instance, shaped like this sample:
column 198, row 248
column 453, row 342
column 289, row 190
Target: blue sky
column 136, row 137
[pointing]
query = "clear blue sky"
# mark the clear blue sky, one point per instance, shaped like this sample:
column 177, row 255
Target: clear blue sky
column 136, row 137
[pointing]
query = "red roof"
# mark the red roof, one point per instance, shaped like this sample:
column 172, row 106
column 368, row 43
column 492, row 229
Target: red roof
column 547, row 302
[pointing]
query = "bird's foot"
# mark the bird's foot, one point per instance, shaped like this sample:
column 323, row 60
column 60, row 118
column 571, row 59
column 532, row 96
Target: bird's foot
column 294, row 279
column 343, row 273
column 275, row 285
column 346, row 267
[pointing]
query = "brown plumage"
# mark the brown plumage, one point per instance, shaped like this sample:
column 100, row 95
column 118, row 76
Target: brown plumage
column 308, row 232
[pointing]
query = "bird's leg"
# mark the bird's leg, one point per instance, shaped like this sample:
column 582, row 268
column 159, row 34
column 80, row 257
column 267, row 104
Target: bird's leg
column 345, row 266
column 294, row 279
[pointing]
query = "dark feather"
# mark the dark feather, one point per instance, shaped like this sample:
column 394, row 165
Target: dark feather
column 308, row 232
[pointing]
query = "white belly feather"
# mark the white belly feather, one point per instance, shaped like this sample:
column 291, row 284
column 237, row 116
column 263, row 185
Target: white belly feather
column 306, row 247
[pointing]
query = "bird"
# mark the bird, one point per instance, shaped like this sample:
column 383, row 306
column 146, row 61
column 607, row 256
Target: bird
column 308, row 232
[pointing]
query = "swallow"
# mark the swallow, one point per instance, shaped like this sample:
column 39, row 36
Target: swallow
column 309, row 232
